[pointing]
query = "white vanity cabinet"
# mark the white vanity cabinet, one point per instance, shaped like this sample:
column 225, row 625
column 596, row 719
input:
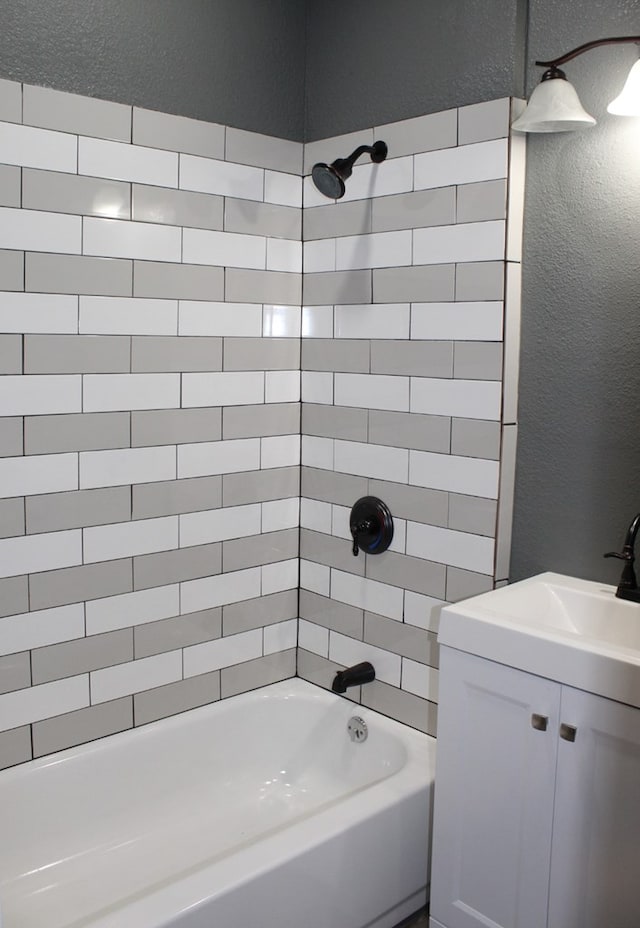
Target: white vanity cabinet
column 537, row 802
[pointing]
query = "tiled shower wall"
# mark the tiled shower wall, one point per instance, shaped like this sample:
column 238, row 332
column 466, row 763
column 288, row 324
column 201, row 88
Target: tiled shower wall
column 409, row 381
column 149, row 415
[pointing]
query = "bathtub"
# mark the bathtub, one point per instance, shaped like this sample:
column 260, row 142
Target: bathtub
column 255, row 811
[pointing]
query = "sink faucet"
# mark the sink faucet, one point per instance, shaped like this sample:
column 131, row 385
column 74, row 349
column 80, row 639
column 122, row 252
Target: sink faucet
column 628, row 586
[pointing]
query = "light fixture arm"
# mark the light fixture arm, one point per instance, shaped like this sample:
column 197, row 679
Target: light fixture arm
column 616, row 40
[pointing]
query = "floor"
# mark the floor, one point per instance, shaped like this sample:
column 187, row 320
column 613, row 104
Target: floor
column 418, row 921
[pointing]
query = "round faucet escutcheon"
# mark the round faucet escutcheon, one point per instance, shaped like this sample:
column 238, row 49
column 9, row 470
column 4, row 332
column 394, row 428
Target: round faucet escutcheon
column 371, row 525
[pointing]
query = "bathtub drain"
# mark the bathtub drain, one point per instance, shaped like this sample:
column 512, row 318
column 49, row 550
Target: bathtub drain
column 357, row 729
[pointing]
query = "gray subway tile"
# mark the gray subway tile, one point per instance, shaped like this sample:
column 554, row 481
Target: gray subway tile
column 338, row 219
column 417, row 503
column 482, row 201
column 14, row 596
column 412, row 573
column 409, row 430
column 178, row 632
column 151, row 570
column 327, row 354
column 335, row 422
column 164, row 701
column 9, row 185
column 175, row 426
column 171, row 497
column 417, row 210
column 263, row 151
column 461, row 584
column 76, row 584
column 433, row 283
column 337, row 287
column 49, row 273
column 11, row 354
column 473, row 514
column 11, row 442
column 330, row 613
column 254, row 218
column 402, row 706
column 343, row 489
column 176, row 207
column 53, row 512
column 262, row 671
column 10, row 101
column 478, row 360
column 479, row 280
column 12, row 270
column 81, row 656
column 422, row 133
column 165, row 353
column 475, row 438
column 415, row 358
column 76, row 432
column 15, row 672
column 11, row 517
column 255, row 354
column 177, row 281
column 246, row 286
column 260, row 486
column 261, row 420
column 329, row 550
column 483, row 121
column 252, row 551
column 69, row 112
column 56, row 192
column 15, row 744
column 177, row 133
column 320, row 671
column 256, row 613
column 76, row 354
column 81, row 726
column 407, row 640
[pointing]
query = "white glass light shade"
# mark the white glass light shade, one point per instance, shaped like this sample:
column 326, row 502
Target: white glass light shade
column 627, row 103
column 554, row 106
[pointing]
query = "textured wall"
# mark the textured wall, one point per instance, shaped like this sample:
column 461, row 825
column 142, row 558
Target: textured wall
column 238, row 62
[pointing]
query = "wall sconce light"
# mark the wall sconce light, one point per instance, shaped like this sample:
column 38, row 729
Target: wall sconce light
column 554, row 105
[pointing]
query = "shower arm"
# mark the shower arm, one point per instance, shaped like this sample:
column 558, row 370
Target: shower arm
column 344, row 166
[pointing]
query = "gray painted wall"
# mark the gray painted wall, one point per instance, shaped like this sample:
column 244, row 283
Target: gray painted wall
column 238, row 62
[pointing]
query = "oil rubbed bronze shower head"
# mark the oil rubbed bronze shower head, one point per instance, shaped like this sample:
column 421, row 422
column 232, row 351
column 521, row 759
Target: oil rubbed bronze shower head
column 330, row 178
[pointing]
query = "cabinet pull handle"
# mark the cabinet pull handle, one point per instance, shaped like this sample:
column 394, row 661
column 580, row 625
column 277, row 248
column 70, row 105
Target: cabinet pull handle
column 539, row 722
column 568, row 732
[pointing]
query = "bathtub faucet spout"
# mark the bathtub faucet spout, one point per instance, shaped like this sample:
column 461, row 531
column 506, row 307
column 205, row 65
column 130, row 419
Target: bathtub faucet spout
column 353, row 676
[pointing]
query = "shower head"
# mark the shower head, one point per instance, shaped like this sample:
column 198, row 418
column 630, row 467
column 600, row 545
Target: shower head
column 330, row 178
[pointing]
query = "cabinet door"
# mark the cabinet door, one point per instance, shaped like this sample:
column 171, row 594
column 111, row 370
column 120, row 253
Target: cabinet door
column 595, row 861
column 493, row 795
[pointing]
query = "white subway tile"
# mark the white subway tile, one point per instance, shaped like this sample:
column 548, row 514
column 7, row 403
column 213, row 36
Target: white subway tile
column 218, row 457
column 121, row 467
column 113, row 612
column 228, row 388
column 227, row 588
column 352, row 457
column 38, row 148
column 473, row 476
column 445, row 546
column 384, row 320
column 379, row 249
column 201, row 528
column 127, row 539
column 282, row 387
column 226, row 249
column 34, row 230
column 32, row 553
column 313, row 637
column 379, row 180
column 41, row 628
column 203, row 318
column 40, row 394
column 371, row 595
column 457, row 321
column 42, row 702
column 348, row 651
column 38, row 312
column 281, row 636
column 372, row 391
column 468, row 241
column 284, row 255
column 468, row 399
column 317, row 387
column 135, row 676
column 42, row 473
column 315, row 577
column 422, row 611
column 281, row 321
column 420, row 679
column 121, row 161
column 222, row 177
column 223, row 652
column 280, row 451
column 317, row 452
column 319, row 256
column 119, row 238
column 466, row 164
column 283, row 189
column 280, row 576
column 102, row 392
column 280, row 514
column 317, row 321
column 106, row 315
column 315, row 515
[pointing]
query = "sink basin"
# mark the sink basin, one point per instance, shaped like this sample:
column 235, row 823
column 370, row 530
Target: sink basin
column 574, row 631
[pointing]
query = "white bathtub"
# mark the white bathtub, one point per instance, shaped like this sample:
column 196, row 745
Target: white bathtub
column 256, row 811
